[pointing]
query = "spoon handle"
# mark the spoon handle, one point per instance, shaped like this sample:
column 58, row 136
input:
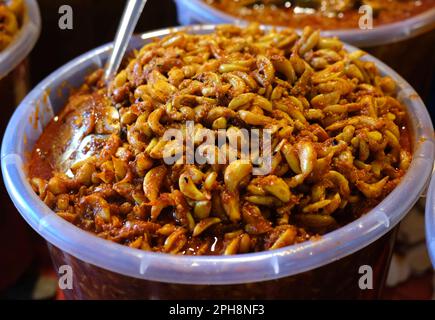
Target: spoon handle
column 128, row 23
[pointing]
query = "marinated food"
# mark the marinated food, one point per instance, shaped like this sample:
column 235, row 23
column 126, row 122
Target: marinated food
column 334, row 139
column 11, row 15
column 325, row 14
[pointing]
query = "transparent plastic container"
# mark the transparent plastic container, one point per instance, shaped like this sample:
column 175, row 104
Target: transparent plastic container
column 14, row 85
column 430, row 219
column 325, row 268
column 24, row 40
column 197, row 11
column 14, row 67
column 410, row 38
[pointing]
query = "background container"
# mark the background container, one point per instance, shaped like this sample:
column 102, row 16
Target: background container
column 16, row 252
column 327, row 268
column 406, row 46
column 430, row 220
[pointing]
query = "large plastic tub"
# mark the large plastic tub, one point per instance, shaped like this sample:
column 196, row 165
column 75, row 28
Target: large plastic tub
column 197, row 11
column 409, row 39
column 326, row 268
column 14, row 85
column 430, row 220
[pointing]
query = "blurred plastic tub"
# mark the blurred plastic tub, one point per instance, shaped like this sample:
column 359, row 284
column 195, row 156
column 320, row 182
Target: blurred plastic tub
column 14, row 68
column 197, row 11
column 430, row 219
column 24, row 40
column 327, row 268
column 409, row 39
column 14, row 85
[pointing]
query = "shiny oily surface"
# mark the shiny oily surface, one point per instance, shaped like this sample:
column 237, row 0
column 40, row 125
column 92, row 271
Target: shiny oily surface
column 340, row 143
column 327, row 15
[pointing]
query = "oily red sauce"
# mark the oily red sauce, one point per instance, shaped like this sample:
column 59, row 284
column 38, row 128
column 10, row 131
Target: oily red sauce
column 58, row 134
column 296, row 17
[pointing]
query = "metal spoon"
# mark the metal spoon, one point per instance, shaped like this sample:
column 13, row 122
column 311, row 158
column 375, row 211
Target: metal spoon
column 128, row 23
column 83, row 147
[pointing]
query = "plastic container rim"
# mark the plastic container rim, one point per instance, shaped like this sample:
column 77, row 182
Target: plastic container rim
column 242, row 268
column 430, row 219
